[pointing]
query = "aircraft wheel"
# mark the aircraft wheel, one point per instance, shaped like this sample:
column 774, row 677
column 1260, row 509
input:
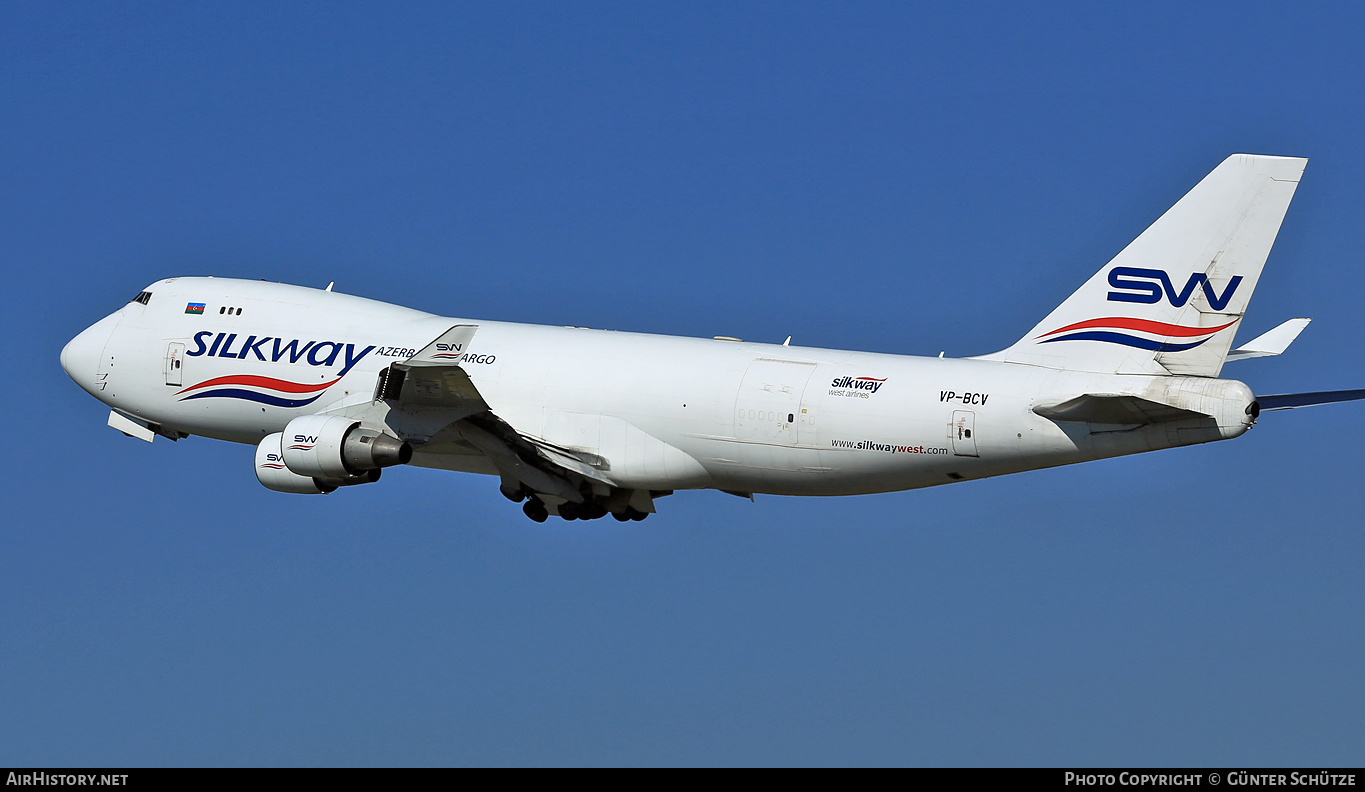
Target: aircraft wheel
column 535, row 510
column 570, row 511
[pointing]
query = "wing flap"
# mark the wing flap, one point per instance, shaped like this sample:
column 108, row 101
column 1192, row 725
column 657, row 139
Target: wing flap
column 507, row 450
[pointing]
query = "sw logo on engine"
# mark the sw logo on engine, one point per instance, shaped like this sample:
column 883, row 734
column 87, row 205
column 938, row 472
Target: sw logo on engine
column 1147, row 286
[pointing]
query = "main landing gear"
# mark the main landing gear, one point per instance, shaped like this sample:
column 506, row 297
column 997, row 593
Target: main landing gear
column 588, row 510
column 536, row 510
column 597, row 502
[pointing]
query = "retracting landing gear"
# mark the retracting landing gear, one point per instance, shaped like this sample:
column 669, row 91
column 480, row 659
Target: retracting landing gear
column 622, row 504
column 587, row 510
column 536, row 510
column 514, row 490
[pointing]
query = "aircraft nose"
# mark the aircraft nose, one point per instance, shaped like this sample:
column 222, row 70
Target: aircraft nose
column 81, row 355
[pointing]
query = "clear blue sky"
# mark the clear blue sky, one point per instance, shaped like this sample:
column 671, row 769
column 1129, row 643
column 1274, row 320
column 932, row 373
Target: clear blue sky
column 858, row 176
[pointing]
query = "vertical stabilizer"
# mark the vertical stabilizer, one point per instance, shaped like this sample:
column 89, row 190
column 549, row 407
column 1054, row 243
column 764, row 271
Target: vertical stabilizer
column 1171, row 302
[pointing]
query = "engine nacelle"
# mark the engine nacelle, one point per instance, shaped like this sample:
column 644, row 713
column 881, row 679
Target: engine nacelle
column 335, row 448
column 274, row 474
column 365, row 477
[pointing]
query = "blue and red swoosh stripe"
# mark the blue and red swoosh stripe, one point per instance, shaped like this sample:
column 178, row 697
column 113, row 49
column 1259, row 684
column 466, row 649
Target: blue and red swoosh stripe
column 237, row 387
column 1108, row 330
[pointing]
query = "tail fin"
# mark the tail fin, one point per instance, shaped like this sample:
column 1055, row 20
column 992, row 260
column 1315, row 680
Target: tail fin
column 1171, row 301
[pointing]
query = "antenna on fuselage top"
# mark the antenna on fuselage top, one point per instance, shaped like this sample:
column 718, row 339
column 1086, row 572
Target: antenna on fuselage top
column 330, row 284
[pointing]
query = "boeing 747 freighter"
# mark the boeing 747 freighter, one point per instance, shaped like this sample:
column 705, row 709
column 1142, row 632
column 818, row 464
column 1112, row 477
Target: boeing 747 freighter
column 331, row 388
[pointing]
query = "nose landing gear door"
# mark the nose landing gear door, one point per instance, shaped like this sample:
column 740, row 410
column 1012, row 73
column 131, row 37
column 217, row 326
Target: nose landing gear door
column 962, row 431
column 175, row 361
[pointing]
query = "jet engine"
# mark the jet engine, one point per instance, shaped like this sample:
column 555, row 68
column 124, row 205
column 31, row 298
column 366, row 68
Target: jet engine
column 274, row 473
column 332, row 447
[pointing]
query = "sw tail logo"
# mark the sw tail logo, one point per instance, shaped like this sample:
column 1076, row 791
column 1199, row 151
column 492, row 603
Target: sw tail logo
column 1154, row 283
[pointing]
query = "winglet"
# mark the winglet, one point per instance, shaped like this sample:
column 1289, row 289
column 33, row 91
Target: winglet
column 1270, row 343
column 447, row 349
column 433, row 377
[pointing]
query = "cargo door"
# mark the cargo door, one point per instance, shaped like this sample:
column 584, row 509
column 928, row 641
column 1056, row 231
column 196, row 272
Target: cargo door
column 768, row 405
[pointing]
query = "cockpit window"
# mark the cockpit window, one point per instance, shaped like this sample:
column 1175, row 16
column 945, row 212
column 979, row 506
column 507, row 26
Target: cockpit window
column 143, row 297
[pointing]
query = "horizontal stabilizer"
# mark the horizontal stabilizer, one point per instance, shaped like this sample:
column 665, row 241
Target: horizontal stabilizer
column 1288, row 401
column 1270, row 343
column 1114, row 410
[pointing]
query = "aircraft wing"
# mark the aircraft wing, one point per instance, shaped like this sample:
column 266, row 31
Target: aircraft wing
column 432, row 385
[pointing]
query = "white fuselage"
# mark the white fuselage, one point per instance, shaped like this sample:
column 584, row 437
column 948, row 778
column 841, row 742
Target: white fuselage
column 667, row 412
